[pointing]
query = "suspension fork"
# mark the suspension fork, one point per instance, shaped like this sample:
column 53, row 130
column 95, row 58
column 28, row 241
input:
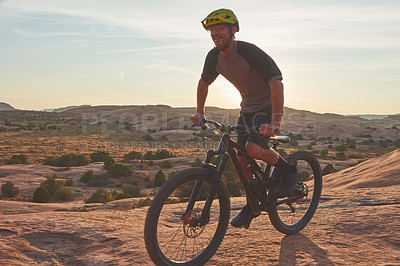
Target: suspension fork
column 216, row 178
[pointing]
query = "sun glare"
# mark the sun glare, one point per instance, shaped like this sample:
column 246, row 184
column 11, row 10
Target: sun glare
column 224, row 94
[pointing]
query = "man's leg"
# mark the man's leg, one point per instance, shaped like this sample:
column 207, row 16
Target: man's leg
column 288, row 173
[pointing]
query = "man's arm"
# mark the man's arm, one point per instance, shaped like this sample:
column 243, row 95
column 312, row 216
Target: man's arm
column 277, row 109
column 202, row 92
column 277, row 100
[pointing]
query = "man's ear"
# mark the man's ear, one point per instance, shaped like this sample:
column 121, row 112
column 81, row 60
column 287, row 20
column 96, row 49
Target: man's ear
column 234, row 29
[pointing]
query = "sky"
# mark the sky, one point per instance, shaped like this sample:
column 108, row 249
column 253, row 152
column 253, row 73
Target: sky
column 339, row 56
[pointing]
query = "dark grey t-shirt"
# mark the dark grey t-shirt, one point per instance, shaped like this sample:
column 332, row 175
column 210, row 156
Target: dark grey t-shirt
column 249, row 69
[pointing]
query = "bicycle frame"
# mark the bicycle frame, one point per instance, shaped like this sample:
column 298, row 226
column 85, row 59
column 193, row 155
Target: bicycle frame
column 226, row 149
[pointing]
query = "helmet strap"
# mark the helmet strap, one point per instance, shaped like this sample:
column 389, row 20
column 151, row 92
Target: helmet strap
column 226, row 46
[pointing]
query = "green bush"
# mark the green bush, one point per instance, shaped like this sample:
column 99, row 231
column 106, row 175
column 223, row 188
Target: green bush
column 108, row 162
column 115, row 195
column 100, row 196
column 324, row 153
column 133, row 155
column 67, row 160
column 197, row 163
column 158, row 155
column 232, row 183
column 341, row 148
column 18, row 159
column 99, row 156
column 341, row 156
column 144, row 203
column 63, row 194
column 118, row 170
column 166, row 164
column 41, row 195
column 99, row 181
column 68, row 182
column 328, row 169
column 87, row 176
column 159, row 179
column 397, row 143
column 51, row 184
column 133, row 190
column 94, row 180
column 8, row 189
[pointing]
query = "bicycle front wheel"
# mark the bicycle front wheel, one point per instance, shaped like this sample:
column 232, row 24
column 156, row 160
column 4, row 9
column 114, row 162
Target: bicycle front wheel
column 173, row 233
column 292, row 216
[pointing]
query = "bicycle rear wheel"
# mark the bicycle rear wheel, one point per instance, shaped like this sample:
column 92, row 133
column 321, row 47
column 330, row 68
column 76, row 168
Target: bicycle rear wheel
column 293, row 216
column 173, row 238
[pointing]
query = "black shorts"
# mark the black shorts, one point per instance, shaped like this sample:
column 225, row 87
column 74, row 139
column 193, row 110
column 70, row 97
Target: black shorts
column 251, row 120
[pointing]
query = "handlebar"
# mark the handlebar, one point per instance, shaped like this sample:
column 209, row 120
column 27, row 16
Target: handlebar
column 226, row 128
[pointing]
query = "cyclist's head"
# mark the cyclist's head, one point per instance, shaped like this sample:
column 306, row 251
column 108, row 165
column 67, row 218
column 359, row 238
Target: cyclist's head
column 221, row 16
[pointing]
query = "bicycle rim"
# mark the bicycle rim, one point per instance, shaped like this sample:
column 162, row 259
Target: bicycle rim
column 291, row 217
column 175, row 238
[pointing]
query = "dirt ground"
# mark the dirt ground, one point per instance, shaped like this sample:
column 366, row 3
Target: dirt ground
column 357, row 223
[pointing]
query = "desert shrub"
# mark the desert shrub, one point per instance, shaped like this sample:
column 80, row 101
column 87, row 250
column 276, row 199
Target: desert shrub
column 51, row 160
column 41, row 195
column 295, row 136
column 341, row 148
column 232, row 183
column 94, row 180
column 133, row 155
column 18, row 159
column 158, row 155
column 172, row 174
column 166, row 164
column 67, row 160
column 68, row 182
column 99, row 156
column 99, row 196
column 293, row 143
column 99, row 181
column 133, row 190
column 63, row 194
column 324, row 153
column 51, row 184
column 352, row 146
column 118, row 169
column 144, row 203
column 328, row 169
column 397, row 143
column 115, row 195
column 197, row 163
column 108, row 162
column 341, row 156
column 87, row 176
column 159, row 179
column 72, row 160
column 8, row 189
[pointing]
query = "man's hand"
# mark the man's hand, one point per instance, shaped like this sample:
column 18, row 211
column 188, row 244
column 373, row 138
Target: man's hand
column 195, row 118
column 267, row 130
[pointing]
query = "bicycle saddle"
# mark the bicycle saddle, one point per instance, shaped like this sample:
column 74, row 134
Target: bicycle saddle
column 281, row 139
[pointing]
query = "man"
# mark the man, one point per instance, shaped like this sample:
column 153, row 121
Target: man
column 258, row 80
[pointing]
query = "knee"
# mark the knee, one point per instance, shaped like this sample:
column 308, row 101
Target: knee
column 253, row 150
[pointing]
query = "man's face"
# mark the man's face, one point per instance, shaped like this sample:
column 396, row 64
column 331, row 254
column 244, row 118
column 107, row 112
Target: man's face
column 219, row 34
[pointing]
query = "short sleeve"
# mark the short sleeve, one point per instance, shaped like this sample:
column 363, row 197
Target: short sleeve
column 209, row 70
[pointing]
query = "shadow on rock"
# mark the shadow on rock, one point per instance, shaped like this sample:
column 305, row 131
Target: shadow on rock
column 299, row 249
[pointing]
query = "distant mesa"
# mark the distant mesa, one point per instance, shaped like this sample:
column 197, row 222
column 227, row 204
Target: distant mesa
column 6, row 107
column 63, row 109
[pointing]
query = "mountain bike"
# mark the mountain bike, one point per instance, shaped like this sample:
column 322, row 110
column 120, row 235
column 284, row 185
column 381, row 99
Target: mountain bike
column 189, row 215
